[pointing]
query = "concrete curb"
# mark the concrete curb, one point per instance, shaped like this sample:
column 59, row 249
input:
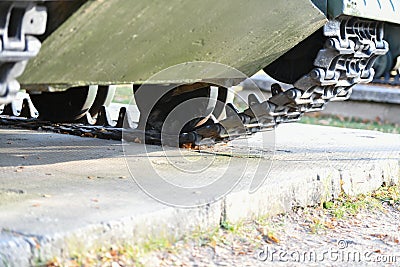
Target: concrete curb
column 296, row 189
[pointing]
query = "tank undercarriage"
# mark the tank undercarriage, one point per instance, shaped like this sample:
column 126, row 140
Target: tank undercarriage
column 339, row 56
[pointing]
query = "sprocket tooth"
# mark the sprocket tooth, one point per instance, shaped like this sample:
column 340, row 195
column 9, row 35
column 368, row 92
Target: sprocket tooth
column 253, row 100
column 87, row 119
column 103, row 118
column 121, row 115
column 25, row 110
column 128, row 122
column 7, row 110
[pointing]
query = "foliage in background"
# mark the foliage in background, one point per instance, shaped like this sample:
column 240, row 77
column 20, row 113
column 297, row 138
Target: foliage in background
column 354, row 123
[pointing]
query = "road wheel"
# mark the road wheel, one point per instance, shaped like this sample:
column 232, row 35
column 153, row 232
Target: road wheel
column 66, row 106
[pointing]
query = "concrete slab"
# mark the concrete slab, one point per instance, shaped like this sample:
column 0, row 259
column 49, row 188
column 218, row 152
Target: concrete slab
column 61, row 193
column 365, row 110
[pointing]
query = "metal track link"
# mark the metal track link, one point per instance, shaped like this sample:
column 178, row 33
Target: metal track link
column 19, row 20
column 101, row 129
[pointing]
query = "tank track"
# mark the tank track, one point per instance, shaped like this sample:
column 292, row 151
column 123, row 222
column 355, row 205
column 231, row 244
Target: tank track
column 21, row 113
column 19, row 21
column 350, row 50
column 346, row 59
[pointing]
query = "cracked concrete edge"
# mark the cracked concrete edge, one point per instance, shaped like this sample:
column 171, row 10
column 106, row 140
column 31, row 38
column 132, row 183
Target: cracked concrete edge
column 297, row 188
column 310, row 187
column 17, row 249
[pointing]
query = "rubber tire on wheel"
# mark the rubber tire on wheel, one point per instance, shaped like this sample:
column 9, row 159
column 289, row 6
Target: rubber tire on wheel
column 383, row 64
column 104, row 96
column 155, row 117
column 224, row 96
column 298, row 61
column 66, row 106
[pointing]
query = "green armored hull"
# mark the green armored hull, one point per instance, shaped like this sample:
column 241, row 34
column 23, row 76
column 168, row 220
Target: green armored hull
column 125, row 41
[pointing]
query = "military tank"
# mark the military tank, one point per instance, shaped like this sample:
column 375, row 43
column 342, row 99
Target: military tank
column 321, row 47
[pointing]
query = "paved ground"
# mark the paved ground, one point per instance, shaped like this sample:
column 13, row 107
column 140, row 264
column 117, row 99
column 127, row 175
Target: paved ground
column 61, row 193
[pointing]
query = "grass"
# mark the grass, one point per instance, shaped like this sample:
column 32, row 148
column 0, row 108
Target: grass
column 345, row 206
column 321, row 219
column 123, row 94
column 388, row 194
column 123, row 254
column 354, row 123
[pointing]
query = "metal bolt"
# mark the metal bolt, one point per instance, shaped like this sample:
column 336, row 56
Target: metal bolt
column 292, row 93
column 315, row 74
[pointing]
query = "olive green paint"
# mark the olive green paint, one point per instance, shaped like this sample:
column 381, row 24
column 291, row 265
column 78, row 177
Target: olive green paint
column 127, row 41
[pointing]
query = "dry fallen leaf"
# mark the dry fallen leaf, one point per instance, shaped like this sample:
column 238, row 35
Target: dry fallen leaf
column 19, row 169
column 113, row 252
column 213, row 243
column 315, row 220
column 187, row 146
column 273, row 238
column 88, row 135
column 379, row 235
column 329, row 225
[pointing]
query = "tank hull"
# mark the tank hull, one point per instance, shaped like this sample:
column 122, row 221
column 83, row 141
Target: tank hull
column 125, row 41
